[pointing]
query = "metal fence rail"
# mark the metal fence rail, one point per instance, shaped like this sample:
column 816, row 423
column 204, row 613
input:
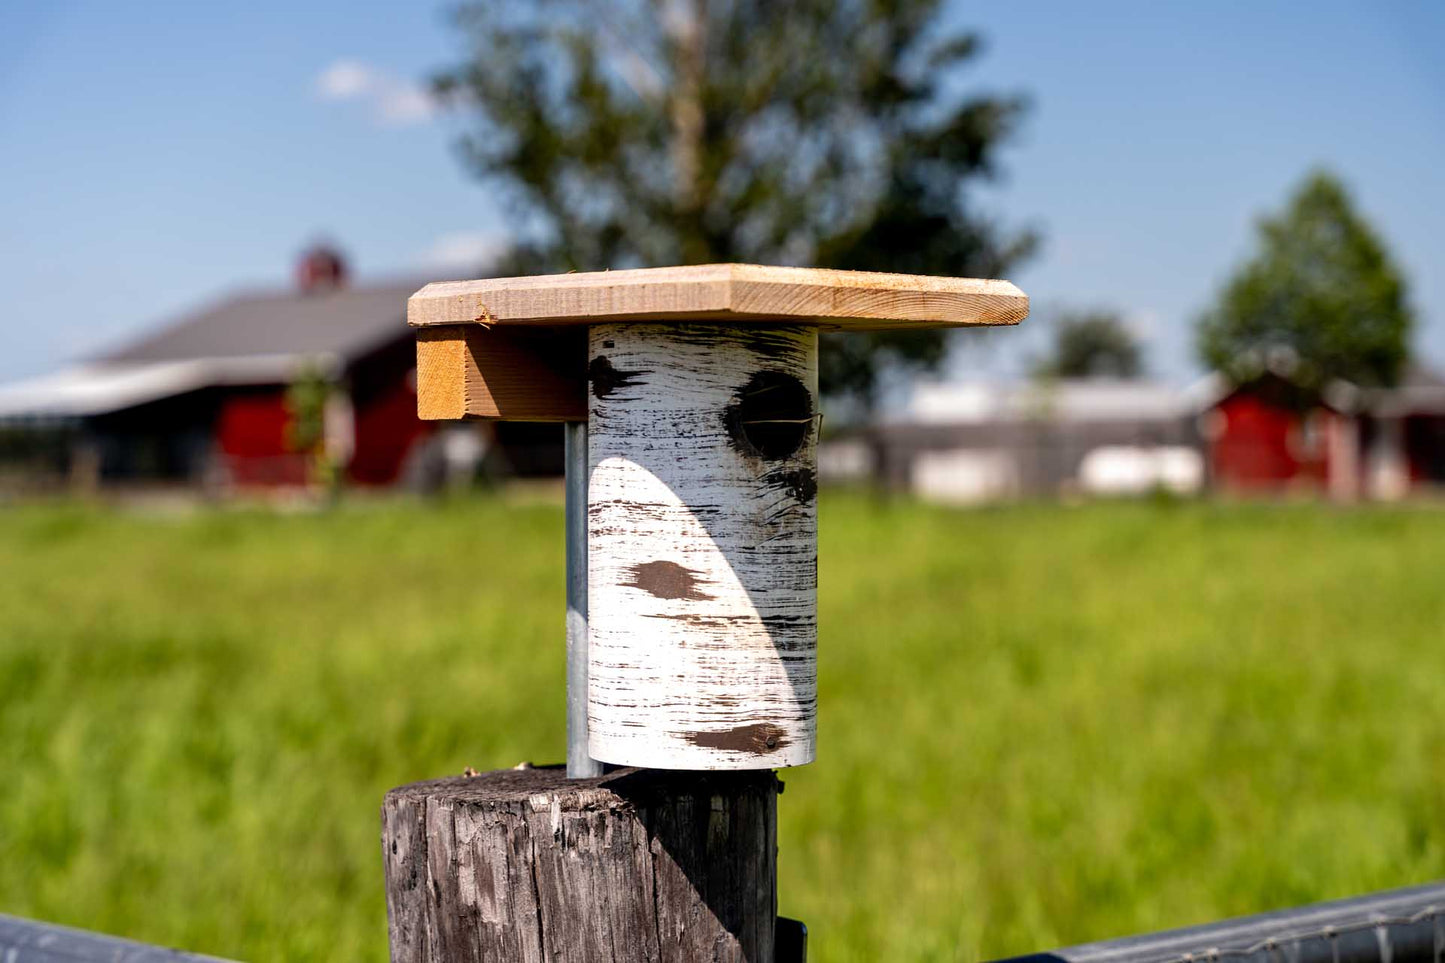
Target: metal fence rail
column 1396, row 926
column 26, row 941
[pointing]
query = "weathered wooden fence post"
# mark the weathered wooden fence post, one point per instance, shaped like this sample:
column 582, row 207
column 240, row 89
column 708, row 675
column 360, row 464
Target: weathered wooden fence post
column 698, row 387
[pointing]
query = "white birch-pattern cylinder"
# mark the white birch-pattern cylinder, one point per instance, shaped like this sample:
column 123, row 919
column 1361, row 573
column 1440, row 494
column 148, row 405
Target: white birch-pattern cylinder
column 702, row 545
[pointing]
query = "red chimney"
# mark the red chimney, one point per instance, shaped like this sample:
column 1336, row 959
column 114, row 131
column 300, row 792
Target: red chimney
column 320, row 269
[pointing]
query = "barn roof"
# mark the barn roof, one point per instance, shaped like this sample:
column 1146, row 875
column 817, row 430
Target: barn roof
column 249, row 338
column 96, row 389
column 1067, row 400
column 343, row 322
column 1421, row 391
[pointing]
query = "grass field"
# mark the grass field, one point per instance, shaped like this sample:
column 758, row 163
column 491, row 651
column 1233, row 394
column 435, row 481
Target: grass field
column 1039, row 724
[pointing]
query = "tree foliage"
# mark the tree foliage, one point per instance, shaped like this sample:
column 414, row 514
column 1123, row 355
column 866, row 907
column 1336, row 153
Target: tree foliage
column 640, row 133
column 1321, row 294
column 1095, row 344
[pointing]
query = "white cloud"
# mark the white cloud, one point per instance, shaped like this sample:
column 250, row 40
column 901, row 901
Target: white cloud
column 465, row 251
column 344, row 80
column 391, row 100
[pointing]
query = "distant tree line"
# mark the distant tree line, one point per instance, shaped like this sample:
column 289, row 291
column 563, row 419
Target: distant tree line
column 1319, row 298
column 1091, row 344
column 1319, row 301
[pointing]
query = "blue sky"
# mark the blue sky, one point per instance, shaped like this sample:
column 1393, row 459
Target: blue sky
column 155, row 156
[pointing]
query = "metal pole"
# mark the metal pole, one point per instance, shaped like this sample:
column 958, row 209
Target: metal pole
column 30, row 941
column 1395, row 926
column 579, row 764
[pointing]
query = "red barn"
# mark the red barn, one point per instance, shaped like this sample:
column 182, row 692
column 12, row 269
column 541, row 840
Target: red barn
column 203, row 401
column 1269, row 436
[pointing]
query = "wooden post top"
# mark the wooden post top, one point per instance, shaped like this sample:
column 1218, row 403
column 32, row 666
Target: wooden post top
column 832, row 300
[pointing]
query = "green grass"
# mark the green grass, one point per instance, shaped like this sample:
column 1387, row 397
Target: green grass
column 1039, row 725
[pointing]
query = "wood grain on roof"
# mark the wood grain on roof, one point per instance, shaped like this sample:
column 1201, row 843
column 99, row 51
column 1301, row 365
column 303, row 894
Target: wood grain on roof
column 838, row 300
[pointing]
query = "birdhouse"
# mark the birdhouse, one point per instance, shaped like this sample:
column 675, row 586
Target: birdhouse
column 699, row 390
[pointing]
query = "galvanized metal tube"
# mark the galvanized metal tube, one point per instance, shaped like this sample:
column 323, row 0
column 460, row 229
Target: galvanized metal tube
column 30, row 941
column 1395, row 926
column 579, row 764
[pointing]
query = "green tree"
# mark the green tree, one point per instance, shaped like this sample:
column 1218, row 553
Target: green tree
column 1321, row 293
column 1095, row 344
column 639, row 133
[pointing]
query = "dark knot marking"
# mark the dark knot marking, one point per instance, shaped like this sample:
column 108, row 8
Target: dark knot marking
column 757, row 737
column 606, row 379
column 770, row 417
column 667, row 580
column 801, row 483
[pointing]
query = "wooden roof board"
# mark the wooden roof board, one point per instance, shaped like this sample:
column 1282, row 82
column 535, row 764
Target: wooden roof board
column 834, row 300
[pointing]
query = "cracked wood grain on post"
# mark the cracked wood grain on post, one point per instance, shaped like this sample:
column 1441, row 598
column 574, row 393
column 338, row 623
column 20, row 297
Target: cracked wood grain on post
column 702, row 545
column 631, row 867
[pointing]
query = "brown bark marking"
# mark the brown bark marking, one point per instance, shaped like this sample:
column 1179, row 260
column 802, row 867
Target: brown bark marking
column 606, row 379
column 667, row 580
column 757, row 737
